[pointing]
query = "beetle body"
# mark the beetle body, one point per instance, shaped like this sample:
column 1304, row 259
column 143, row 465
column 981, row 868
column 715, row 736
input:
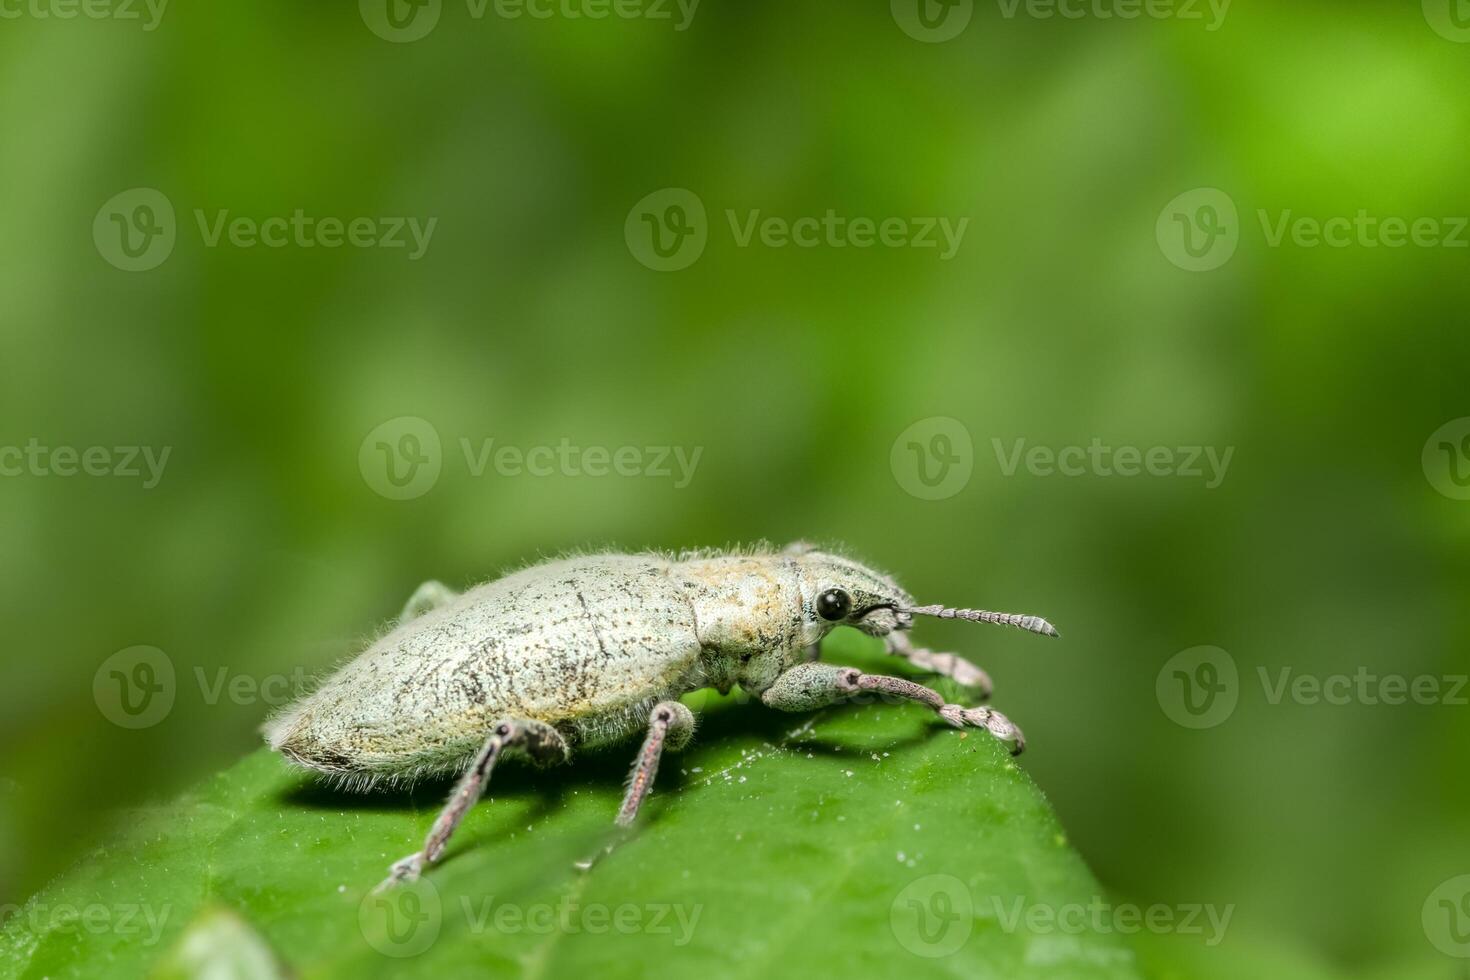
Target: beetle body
column 586, row 644
column 583, row 651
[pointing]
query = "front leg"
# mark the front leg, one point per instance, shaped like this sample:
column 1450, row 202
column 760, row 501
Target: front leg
column 948, row 664
column 809, row 686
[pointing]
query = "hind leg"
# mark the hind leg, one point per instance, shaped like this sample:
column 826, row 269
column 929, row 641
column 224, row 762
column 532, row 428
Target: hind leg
column 540, row 741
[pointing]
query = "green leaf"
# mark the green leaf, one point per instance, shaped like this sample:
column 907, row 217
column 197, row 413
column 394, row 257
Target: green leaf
column 865, row 839
column 220, row 945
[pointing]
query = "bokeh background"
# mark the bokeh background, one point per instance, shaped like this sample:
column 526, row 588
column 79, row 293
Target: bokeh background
column 1067, row 314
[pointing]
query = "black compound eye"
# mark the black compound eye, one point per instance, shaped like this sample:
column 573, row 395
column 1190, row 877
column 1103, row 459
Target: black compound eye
column 834, row 604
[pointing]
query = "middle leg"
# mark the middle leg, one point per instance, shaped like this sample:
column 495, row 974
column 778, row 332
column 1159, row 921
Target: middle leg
column 670, row 724
column 947, row 664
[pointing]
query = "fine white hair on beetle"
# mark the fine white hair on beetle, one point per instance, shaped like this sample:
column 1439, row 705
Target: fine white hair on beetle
column 1033, row 624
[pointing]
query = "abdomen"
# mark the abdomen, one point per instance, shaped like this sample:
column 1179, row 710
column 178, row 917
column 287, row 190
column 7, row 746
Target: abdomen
column 585, row 644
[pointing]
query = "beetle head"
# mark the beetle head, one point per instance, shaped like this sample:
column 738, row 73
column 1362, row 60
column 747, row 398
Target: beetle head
column 837, row 591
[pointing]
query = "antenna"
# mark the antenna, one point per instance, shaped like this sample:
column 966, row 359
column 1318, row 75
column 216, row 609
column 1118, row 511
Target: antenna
column 1032, row 624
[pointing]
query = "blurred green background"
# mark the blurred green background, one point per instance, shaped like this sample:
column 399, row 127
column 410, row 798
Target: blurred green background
column 1064, row 316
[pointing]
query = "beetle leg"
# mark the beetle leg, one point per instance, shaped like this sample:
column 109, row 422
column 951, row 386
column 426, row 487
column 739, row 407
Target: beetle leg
column 426, row 598
column 670, row 723
column 947, row 664
column 808, row 686
column 540, row 741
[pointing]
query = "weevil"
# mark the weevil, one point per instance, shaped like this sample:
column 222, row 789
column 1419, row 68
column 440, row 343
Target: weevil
column 580, row 652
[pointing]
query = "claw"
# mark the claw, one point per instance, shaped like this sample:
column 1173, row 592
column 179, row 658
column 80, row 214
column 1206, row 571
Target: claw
column 989, row 719
column 407, row 869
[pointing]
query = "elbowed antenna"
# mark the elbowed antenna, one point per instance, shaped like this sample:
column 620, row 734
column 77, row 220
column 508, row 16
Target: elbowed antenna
column 1033, row 624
